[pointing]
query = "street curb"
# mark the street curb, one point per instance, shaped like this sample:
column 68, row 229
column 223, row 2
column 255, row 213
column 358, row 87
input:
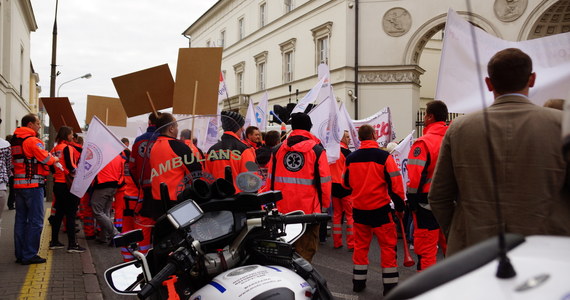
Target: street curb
column 92, row 287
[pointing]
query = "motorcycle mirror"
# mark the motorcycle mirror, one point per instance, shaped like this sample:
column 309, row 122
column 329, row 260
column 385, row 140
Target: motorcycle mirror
column 126, row 278
column 248, row 182
column 294, row 231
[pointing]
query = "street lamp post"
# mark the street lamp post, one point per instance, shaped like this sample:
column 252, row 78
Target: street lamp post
column 86, row 76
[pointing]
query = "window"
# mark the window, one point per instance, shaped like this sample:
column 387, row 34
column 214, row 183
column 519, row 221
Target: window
column 287, row 51
column 322, row 36
column 222, row 38
column 262, row 14
column 239, row 69
column 288, row 5
column 323, row 51
column 260, row 62
column 241, row 29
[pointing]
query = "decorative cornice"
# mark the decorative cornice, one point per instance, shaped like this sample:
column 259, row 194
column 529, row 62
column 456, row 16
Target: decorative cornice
column 390, row 74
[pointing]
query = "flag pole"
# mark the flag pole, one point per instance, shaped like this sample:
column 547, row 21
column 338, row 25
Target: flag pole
column 194, row 109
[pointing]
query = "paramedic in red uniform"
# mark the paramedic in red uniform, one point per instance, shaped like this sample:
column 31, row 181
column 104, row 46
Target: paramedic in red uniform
column 230, row 151
column 300, row 170
column 375, row 180
column 171, row 162
column 31, row 162
column 422, row 160
column 342, row 200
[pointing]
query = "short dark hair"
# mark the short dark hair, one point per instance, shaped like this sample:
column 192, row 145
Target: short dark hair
column 366, row 132
column 62, row 133
column 509, row 70
column 153, row 118
column 185, row 134
column 438, row 109
column 29, row 118
column 163, row 119
column 250, row 129
column 272, row 138
column 125, row 140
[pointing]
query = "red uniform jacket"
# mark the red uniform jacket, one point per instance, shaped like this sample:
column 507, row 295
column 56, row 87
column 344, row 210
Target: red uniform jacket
column 68, row 157
column 30, row 159
column 300, row 170
column 375, row 179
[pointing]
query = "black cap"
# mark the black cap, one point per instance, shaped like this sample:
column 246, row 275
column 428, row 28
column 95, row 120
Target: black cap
column 232, row 121
column 301, row 121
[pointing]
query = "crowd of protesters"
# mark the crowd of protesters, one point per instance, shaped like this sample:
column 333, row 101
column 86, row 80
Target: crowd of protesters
column 449, row 178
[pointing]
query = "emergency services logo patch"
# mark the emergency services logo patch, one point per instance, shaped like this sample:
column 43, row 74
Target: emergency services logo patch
column 294, row 161
column 93, row 160
column 142, row 148
column 417, row 151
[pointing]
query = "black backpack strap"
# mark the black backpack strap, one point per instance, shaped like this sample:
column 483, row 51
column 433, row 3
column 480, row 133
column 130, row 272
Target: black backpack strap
column 274, row 164
column 318, row 151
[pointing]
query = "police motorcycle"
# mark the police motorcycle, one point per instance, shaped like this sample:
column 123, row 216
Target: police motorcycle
column 215, row 244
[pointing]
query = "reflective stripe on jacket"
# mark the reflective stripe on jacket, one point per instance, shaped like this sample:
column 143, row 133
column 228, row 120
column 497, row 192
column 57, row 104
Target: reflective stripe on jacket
column 30, row 160
column 422, row 158
column 374, row 177
column 300, row 170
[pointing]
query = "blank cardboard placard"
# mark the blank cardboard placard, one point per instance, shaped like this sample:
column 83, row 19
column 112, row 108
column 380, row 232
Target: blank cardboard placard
column 107, row 109
column 132, row 89
column 60, row 113
column 200, row 65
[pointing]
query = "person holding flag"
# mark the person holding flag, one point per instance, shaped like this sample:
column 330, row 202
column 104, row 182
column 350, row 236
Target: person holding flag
column 422, row 160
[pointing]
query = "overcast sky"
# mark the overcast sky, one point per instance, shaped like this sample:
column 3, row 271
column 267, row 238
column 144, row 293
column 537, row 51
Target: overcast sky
column 108, row 38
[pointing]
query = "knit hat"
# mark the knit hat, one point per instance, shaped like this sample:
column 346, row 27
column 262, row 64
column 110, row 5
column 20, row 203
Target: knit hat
column 301, row 121
column 232, row 121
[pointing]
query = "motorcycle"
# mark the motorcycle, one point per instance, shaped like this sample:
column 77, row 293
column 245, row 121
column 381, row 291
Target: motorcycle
column 222, row 248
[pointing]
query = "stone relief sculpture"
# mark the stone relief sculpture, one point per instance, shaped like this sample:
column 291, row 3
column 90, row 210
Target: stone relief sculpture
column 509, row 10
column 397, row 21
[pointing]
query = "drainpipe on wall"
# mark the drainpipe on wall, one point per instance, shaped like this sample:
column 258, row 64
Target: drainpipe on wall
column 356, row 59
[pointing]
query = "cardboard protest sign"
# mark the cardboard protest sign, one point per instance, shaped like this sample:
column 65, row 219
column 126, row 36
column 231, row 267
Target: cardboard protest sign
column 197, row 67
column 135, row 88
column 60, row 113
column 109, row 110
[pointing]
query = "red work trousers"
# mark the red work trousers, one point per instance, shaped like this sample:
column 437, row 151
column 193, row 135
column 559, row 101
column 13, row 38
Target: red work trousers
column 340, row 206
column 425, row 245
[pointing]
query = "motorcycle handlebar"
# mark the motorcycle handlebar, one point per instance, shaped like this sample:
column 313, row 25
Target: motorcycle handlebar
column 157, row 280
column 294, row 219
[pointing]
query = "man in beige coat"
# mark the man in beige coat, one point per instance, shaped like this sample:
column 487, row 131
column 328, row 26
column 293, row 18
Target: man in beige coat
column 531, row 174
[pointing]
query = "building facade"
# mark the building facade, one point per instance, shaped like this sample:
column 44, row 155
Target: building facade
column 380, row 53
column 18, row 82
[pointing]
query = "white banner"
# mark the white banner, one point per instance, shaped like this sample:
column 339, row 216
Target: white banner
column 325, row 127
column 309, row 98
column 250, row 119
column 345, row 123
column 382, row 123
column 100, row 147
column 461, row 75
column 261, row 112
column 400, row 154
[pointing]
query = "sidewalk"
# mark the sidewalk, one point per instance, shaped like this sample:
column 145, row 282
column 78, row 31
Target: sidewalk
column 63, row 276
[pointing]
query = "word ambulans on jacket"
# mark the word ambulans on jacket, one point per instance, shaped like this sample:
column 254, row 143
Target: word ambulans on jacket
column 180, row 161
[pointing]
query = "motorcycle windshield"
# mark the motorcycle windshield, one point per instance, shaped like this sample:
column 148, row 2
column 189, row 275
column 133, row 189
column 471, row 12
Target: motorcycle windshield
column 193, row 155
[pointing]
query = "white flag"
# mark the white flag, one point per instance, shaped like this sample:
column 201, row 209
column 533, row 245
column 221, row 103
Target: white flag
column 210, row 136
column 250, row 116
column 324, row 72
column 326, row 127
column 459, row 84
column 100, row 147
column 310, row 97
column 345, row 123
column 400, row 154
column 261, row 112
column 382, row 124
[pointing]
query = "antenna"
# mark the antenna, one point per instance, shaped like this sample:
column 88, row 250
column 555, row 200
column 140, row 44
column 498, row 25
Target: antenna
column 505, row 269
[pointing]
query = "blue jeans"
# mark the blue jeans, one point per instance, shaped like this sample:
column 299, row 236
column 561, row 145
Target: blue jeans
column 29, row 222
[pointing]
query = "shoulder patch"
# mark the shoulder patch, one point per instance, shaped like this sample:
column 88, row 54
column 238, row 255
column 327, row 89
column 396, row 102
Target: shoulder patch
column 417, row 151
